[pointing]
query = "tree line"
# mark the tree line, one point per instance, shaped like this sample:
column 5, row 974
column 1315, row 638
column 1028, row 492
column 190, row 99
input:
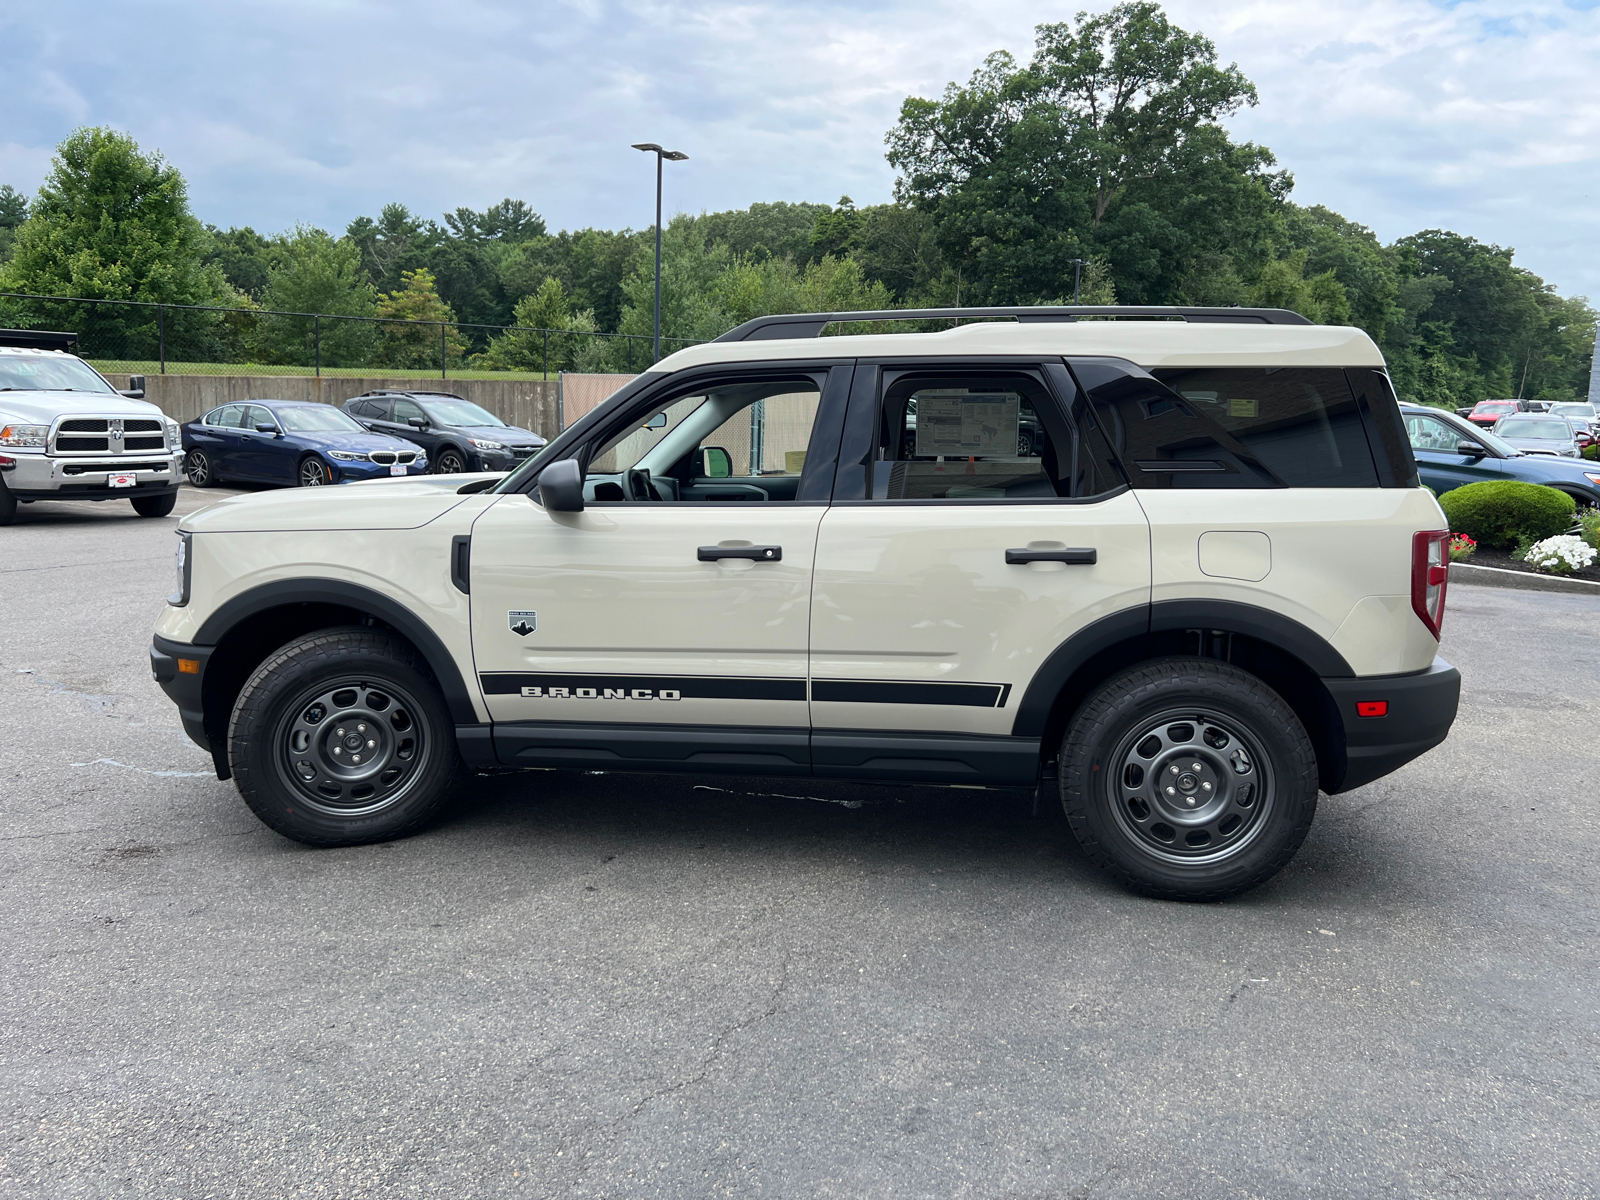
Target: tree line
column 1103, row 158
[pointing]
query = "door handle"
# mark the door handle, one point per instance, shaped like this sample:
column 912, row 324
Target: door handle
column 756, row 553
column 1080, row 556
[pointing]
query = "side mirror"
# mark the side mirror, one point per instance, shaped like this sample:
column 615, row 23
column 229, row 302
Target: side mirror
column 659, row 421
column 135, row 388
column 715, row 463
column 1471, row 449
column 272, row 429
column 417, row 422
column 561, row 486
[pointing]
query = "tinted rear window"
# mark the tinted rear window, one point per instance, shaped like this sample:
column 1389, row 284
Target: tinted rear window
column 1238, row 427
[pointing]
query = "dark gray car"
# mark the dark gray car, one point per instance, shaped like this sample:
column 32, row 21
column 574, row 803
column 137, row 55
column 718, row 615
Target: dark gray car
column 457, row 434
column 1533, row 434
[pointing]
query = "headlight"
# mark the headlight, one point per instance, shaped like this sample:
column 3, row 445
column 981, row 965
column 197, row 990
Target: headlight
column 1591, row 477
column 347, row 456
column 174, row 433
column 185, row 572
column 482, row 444
column 24, row 435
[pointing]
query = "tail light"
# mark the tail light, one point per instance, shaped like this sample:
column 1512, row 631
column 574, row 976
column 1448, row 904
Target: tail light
column 1430, row 572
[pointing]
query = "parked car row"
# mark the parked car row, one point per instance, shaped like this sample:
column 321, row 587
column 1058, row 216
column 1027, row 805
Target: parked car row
column 1452, row 451
column 378, row 434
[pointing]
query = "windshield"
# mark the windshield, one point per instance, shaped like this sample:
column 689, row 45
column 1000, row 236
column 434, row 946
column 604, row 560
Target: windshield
column 1493, row 406
column 460, row 412
column 1535, row 431
column 1573, row 410
column 19, row 373
column 319, row 418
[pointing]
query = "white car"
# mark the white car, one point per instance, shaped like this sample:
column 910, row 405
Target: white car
column 1213, row 586
column 67, row 434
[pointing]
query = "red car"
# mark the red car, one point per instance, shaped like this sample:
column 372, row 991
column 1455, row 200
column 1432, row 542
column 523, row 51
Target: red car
column 1487, row 412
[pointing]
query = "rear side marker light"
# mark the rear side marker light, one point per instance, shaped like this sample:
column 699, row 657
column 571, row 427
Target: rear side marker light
column 1430, row 573
column 1372, row 708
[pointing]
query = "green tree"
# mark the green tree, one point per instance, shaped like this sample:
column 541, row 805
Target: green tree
column 411, row 345
column 1106, row 145
column 778, row 230
column 509, row 221
column 313, row 272
column 112, row 222
column 243, row 256
column 549, row 337
column 13, row 212
column 397, row 241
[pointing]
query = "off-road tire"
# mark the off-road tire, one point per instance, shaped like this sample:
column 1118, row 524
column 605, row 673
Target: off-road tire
column 1221, row 706
column 272, row 737
column 155, row 506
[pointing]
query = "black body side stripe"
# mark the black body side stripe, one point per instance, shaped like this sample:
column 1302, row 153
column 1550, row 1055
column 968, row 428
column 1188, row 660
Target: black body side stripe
column 738, row 687
column 687, row 687
column 901, row 691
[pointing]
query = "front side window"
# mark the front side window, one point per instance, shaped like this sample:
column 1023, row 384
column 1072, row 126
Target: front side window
column 405, row 410
column 740, row 441
column 260, row 415
column 1430, row 433
column 967, row 436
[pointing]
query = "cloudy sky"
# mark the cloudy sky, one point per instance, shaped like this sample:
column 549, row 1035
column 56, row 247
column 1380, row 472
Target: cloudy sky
column 1483, row 117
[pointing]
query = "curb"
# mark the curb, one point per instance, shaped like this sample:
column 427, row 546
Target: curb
column 1500, row 577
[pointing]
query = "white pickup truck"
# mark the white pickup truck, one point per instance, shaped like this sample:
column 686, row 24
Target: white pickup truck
column 67, row 434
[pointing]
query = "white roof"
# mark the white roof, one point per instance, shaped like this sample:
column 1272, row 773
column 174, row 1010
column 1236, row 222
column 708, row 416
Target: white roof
column 1146, row 343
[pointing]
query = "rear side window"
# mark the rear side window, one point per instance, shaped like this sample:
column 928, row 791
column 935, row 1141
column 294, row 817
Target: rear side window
column 1233, row 427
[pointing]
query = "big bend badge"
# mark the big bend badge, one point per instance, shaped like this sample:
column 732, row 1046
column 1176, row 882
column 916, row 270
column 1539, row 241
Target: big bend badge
column 523, row 623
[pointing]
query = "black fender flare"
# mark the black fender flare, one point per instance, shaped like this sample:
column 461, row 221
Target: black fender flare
column 1227, row 616
column 349, row 595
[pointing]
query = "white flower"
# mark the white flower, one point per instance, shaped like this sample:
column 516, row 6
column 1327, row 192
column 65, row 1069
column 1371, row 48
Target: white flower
column 1561, row 555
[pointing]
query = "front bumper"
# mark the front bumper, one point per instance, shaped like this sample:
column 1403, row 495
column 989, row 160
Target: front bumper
column 180, row 669
column 46, row 477
column 1418, row 712
column 356, row 472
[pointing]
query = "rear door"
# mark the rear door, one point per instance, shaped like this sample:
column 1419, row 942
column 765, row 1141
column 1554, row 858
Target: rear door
column 973, row 531
column 268, row 457
column 667, row 623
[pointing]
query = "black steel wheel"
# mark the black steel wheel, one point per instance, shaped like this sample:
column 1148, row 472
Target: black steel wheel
column 449, row 462
column 197, row 468
column 342, row 737
column 156, row 506
column 1188, row 779
column 313, row 472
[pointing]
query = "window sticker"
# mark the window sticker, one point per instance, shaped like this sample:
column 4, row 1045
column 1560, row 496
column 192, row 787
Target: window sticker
column 963, row 424
column 1242, row 406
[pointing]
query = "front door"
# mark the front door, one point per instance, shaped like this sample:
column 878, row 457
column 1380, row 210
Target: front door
column 667, row 623
column 1442, row 467
column 972, row 550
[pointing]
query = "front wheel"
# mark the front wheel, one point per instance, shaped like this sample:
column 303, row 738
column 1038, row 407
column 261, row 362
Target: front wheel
column 313, row 473
column 341, row 738
column 449, row 462
column 1188, row 779
column 156, row 506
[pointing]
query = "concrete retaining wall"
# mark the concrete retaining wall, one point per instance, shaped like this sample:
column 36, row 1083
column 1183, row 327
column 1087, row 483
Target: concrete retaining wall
column 528, row 403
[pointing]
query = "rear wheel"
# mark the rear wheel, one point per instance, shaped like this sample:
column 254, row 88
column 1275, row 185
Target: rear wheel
column 313, row 472
column 1188, row 779
column 342, row 738
column 198, row 469
column 156, row 506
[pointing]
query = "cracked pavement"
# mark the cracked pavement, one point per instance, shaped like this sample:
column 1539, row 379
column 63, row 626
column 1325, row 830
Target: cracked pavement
column 613, row 986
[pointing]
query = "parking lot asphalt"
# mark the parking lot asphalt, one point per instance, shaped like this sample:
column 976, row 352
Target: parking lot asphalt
column 607, row 985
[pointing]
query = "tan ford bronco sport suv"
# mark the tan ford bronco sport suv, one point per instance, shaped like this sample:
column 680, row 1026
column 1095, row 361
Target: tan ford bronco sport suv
column 1174, row 564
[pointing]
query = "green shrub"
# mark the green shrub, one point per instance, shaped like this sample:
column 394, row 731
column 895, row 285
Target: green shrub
column 1501, row 513
column 1589, row 528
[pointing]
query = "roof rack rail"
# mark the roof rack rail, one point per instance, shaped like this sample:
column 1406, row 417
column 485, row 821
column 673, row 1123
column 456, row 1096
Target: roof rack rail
column 38, row 339
column 805, row 325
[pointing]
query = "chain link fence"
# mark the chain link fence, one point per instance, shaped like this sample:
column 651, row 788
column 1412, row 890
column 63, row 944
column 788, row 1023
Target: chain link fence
column 141, row 338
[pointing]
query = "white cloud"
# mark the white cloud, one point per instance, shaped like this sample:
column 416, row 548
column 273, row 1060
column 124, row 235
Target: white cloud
column 1478, row 116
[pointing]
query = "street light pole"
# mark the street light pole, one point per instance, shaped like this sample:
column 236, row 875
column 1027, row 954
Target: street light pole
column 675, row 156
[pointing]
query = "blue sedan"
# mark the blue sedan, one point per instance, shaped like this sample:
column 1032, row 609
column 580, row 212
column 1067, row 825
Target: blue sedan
column 294, row 443
column 1451, row 452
